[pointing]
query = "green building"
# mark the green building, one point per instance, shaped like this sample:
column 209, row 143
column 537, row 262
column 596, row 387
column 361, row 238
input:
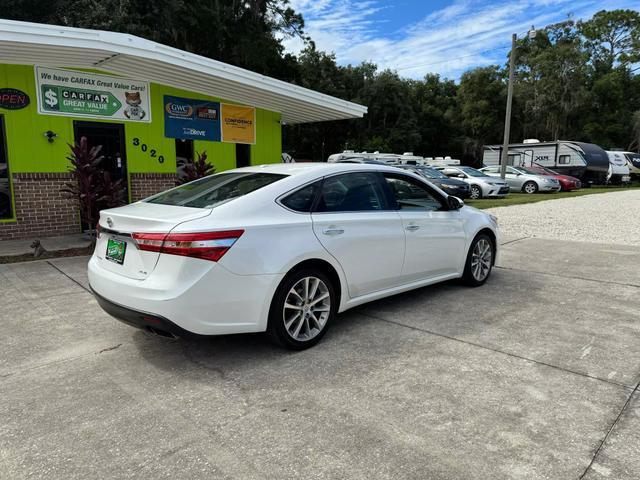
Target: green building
column 150, row 106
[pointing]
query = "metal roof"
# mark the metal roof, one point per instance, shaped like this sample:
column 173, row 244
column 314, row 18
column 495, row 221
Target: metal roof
column 137, row 58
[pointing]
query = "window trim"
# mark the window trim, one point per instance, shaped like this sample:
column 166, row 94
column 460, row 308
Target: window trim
column 280, row 198
column 443, row 200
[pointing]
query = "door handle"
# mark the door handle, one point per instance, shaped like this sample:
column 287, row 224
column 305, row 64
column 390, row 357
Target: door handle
column 412, row 227
column 333, row 230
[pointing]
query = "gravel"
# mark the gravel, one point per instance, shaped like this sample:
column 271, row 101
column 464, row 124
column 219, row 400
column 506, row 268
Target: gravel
column 600, row 218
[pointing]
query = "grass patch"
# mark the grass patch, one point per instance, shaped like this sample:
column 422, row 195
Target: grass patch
column 522, row 198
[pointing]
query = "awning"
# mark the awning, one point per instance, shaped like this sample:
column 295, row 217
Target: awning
column 134, row 57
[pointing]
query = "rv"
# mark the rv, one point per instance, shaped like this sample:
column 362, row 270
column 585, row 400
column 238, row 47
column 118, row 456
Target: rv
column 633, row 162
column 585, row 161
column 618, row 168
column 407, row 158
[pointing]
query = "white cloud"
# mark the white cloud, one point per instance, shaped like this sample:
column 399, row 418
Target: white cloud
column 464, row 34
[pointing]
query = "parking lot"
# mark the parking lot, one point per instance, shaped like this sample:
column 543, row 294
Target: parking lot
column 534, row 375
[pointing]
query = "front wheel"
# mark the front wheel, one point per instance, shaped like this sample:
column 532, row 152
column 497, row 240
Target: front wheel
column 475, row 192
column 479, row 261
column 302, row 309
column 530, row 187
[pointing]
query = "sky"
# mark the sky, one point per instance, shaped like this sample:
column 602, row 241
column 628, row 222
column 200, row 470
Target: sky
column 416, row 37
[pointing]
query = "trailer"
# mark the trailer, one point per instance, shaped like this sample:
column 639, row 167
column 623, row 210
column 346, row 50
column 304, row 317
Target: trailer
column 586, row 161
column 407, row 158
column 619, row 172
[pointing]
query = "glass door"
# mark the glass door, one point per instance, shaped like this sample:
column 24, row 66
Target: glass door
column 6, row 210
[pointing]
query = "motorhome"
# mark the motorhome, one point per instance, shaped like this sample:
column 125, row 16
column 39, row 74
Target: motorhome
column 407, row 158
column 586, row 161
column 618, row 168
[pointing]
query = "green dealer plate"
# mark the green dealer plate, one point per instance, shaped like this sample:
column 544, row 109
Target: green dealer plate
column 116, row 250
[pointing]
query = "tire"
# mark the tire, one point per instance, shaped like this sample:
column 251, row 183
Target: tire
column 291, row 304
column 475, row 192
column 530, row 187
column 475, row 276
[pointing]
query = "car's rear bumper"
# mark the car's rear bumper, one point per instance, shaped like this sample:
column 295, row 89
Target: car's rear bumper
column 203, row 298
column 143, row 320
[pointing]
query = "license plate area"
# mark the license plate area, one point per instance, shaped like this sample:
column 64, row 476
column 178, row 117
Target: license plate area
column 116, row 250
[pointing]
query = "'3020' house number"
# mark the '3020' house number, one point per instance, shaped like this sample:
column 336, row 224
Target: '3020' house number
column 153, row 153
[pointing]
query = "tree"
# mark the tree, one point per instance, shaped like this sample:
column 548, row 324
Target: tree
column 612, row 37
column 481, row 105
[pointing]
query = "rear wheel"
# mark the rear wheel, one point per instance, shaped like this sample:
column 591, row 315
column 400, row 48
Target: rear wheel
column 475, row 192
column 302, row 309
column 479, row 261
column 530, row 187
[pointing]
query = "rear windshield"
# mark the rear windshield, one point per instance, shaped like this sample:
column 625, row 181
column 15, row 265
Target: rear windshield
column 209, row 192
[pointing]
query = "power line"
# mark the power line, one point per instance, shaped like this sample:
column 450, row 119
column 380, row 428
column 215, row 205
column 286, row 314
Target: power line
column 452, row 59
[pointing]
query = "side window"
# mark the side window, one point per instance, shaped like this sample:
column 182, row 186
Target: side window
column 564, row 159
column 302, row 200
column 351, row 192
column 454, row 174
column 410, row 195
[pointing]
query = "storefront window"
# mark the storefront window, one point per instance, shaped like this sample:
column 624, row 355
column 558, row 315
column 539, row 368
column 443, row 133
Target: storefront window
column 5, row 191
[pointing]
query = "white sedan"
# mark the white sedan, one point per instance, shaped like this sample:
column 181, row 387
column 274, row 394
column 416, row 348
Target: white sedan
column 283, row 248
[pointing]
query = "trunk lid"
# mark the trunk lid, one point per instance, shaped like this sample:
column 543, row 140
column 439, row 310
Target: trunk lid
column 119, row 224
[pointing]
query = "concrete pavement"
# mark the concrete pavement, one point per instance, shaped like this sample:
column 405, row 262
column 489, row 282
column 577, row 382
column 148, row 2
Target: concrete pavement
column 531, row 376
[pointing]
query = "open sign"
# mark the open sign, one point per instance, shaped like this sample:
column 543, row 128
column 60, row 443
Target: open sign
column 13, row 99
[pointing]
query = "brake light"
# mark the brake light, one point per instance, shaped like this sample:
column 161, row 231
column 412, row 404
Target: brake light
column 206, row 245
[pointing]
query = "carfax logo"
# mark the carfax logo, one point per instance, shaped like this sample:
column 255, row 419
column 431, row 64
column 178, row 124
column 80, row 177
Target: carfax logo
column 178, row 109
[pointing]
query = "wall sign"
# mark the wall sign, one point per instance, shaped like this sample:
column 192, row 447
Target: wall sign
column 238, row 124
column 79, row 94
column 13, row 99
column 191, row 119
column 152, row 152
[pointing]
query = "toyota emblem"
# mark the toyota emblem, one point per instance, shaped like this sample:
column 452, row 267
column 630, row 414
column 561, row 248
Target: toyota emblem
column 109, row 222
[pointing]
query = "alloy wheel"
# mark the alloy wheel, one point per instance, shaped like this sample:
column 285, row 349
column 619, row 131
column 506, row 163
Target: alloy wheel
column 306, row 308
column 481, row 259
column 530, row 187
column 475, row 192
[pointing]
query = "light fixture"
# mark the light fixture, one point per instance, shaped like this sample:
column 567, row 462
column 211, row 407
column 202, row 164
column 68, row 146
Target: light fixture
column 51, row 136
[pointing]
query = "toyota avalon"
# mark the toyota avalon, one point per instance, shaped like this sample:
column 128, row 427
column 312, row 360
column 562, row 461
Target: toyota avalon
column 283, row 249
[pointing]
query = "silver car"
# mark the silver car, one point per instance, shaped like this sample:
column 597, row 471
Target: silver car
column 524, row 180
column 480, row 184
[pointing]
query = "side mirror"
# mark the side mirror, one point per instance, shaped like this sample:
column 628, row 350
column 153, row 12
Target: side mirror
column 454, row 203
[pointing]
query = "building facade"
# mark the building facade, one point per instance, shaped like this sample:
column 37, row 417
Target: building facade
column 150, row 107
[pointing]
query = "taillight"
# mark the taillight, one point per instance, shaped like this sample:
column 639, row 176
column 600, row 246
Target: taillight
column 206, row 245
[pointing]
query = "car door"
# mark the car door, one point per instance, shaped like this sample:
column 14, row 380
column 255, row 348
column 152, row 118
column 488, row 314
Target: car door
column 514, row 178
column 355, row 224
column 435, row 236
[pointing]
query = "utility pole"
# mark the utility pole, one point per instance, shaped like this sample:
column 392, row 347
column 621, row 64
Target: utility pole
column 507, row 119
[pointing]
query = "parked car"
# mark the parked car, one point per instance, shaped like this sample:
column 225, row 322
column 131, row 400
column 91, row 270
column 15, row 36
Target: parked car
column 283, row 248
column 567, row 183
column 451, row 186
column 480, row 184
column 527, row 181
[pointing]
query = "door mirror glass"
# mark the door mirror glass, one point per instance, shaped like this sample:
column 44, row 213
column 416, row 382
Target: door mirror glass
column 454, row 203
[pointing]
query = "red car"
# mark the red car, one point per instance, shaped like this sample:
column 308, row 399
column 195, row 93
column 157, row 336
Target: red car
column 567, row 183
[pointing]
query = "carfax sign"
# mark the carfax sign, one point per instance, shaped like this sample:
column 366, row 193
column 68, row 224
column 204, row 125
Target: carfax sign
column 78, row 94
column 191, row 119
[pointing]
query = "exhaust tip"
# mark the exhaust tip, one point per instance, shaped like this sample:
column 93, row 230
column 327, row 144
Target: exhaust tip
column 162, row 333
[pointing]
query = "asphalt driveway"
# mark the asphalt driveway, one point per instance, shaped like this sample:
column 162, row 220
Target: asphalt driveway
column 534, row 375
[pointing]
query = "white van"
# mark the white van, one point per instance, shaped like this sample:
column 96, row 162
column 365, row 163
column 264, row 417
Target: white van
column 619, row 172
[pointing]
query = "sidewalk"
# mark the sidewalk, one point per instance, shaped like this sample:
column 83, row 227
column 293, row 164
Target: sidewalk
column 10, row 248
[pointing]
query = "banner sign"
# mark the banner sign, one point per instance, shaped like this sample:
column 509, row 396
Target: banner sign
column 238, row 124
column 79, row 94
column 191, row 119
column 13, row 99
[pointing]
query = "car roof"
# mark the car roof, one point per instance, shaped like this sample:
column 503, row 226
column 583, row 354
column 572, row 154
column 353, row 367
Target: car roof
column 295, row 169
